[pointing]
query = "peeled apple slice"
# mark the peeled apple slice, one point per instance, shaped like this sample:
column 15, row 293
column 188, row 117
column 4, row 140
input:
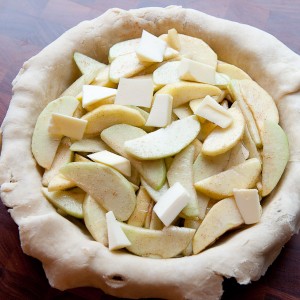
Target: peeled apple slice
column 122, row 48
column 87, row 64
column 111, row 114
column 107, row 186
column 220, row 140
column 43, row 146
column 165, row 141
column 243, row 176
column 165, row 243
column 232, row 71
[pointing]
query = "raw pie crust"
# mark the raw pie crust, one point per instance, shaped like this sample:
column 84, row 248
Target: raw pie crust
column 69, row 256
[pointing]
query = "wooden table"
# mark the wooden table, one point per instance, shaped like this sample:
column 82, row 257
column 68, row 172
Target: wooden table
column 26, row 26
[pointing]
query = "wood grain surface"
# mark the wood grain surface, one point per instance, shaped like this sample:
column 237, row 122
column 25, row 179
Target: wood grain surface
column 27, row 26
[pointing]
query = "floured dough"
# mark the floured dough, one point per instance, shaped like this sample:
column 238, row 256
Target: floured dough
column 78, row 260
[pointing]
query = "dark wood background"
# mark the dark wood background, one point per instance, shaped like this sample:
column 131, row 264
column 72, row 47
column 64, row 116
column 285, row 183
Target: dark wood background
column 26, row 26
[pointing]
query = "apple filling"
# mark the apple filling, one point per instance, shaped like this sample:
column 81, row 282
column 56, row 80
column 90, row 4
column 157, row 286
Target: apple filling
column 161, row 151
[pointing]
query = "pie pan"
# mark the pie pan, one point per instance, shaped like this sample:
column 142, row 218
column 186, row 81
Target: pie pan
column 69, row 255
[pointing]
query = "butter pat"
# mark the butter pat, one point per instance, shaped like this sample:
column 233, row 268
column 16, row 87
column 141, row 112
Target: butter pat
column 212, row 111
column 92, row 94
column 195, row 71
column 151, row 48
column 116, row 236
column 138, row 92
column 115, row 161
column 62, row 125
column 173, row 39
column 161, row 111
column 171, row 203
column 247, row 201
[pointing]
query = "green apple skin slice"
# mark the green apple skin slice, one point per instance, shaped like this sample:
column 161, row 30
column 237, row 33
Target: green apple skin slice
column 111, row 114
column 275, row 156
column 223, row 216
column 166, row 141
column 181, row 170
column 153, row 171
column 87, row 64
column 243, row 176
column 95, row 220
column 69, row 201
column 63, row 156
column 44, row 146
column 165, row 243
column 220, row 140
column 107, row 186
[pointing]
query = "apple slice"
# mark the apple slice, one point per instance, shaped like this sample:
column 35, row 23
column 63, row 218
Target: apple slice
column 236, row 156
column 126, row 66
column 232, row 71
column 154, row 171
column 89, row 145
column 275, row 156
column 220, row 140
column 182, row 91
column 111, row 114
column 105, row 185
column 68, row 201
column 87, row 64
column 95, row 220
column 63, row 156
column 122, row 48
column 243, row 176
column 167, row 73
column 250, row 145
column 222, row 217
column 165, row 243
column 260, row 103
column 43, row 146
column 165, row 141
column 102, row 79
column 60, row 183
column 155, row 194
column 139, row 214
column 181, row 170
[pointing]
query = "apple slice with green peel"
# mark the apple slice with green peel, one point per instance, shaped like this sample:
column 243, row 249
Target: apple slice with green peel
column 111, row 114
column 76, row 87
column 207, row 166
column 250, row 145
column 232, row 71
column 222, row 217
column 122, row 48
column 183, row 92
column 95, row 220
column 126, row 66
column 63, row 156
column 145, row 115
column 154, row 171
column 235, row 93
column 167, row 73
column 139, row 214
column 220, row 140
column 275, row 156
column 87, row 64
column 89, row 145
column 165, row 141
column 236, row 156
column 181, row 170
column 165, row 243
column 155, row 194
column 105, row 185
column 243, row 176
column 43, row 146
column 60, row 183
column 260, row 103
column 68, row 201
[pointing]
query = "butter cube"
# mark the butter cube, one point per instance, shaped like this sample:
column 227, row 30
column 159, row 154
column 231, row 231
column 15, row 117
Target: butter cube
column 92, row 94
column 171, row 203
column 161, row 111
column 195, row 71
column 113, row 160
column 117, row 239
column 151, row 48
column 247, row 201
column 173, row 39
column 62, row 125
column 212, row 111
column 135, row 91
